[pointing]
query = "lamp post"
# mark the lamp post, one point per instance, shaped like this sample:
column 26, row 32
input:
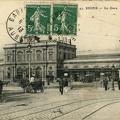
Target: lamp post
column 47, row 77
column 3, row 74
column 95, row 79
column 30, row 39
column 15, row 60
column 29, row 47
column 113, row 68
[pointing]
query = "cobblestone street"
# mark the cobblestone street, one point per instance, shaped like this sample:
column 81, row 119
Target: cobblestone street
column 86, row 103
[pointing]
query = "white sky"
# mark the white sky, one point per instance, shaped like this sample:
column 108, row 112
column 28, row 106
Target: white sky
column 99, row 29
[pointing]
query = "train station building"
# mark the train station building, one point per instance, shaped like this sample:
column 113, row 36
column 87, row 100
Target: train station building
column 56, row 60
column 93, row 65
column 42, row 59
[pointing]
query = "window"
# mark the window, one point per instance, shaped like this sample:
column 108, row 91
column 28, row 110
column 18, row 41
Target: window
column 64, row 55
column 29, row 55
column 44, row 54
column 50, row 71
column 8, row 73
column 19, row 56
column 19, row 73
column 8, row 58
column 38, row 72
column 68, row 55
column 50, row 56
column 27, row 72
column 38, row 55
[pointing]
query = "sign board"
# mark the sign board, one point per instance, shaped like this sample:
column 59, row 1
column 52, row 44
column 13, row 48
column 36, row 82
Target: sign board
column 102, row 73
column 65, row 74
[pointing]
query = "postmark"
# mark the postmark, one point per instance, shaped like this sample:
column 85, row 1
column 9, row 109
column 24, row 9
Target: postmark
column 40, row 21
column 36, row 18
column 15, row 24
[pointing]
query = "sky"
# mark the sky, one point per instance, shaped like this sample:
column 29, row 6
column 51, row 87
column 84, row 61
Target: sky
column 98, row 29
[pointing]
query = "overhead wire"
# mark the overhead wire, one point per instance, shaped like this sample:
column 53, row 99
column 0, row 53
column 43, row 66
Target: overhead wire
column 106, row 35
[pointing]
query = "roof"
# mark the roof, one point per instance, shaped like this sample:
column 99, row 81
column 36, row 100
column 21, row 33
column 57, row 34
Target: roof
column 92, row 60
column 95, row 58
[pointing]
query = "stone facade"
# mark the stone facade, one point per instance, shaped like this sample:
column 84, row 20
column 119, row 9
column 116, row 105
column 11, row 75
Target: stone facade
column 93, row 65
column 43, row 58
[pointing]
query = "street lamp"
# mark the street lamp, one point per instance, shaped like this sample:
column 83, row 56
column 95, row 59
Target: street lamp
column 30, row 40
column 113, row 68
column 29, row 47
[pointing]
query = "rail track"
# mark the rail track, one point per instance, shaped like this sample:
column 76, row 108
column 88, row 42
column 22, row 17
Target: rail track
column 55, row 110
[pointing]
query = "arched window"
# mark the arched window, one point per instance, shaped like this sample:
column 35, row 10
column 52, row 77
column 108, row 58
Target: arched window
column 8, row 73
column 38, row 72
column 50, row 56
column 29, row 55
column 19, row 56
column 19, row 73
column 38, row 55
column 27, row 72
column 8, row 56
column 50, row 71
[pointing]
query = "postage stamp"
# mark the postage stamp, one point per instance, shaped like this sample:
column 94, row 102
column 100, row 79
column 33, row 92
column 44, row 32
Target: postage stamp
column 36, row 18
column 64, row 19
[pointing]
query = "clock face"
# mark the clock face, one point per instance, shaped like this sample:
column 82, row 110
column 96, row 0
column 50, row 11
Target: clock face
column 15, row 24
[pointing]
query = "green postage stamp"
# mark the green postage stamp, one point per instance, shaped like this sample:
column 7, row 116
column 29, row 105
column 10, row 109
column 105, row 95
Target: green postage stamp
column 64, row 19
column 36, row 19
column 60, row 19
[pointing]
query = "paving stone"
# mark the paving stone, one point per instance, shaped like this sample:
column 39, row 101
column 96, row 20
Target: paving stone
column 36, row 105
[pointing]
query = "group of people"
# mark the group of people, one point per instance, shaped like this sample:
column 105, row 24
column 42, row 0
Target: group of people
column 63, row 85
column 33, row 84
column 105, row 83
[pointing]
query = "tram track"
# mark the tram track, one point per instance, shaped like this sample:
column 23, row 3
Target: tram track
column 84, row 106
column 56, row 110
column 99, row 109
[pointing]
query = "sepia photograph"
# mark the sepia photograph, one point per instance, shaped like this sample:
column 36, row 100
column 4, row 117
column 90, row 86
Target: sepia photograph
column 59, row 60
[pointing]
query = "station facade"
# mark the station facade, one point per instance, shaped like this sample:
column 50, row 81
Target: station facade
column 42, row 59
column 56, row 60
column 93, row 65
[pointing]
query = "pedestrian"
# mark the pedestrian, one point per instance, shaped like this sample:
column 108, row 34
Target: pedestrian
column 42, row 86
column 32, row 79
column 61, row 85
column 66, row 85
column 1, row 86
column 119, row 84
column 24, row 85
column 106, row 83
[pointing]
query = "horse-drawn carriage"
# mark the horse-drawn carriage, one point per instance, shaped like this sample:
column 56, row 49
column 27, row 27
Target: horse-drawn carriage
column 30, row 87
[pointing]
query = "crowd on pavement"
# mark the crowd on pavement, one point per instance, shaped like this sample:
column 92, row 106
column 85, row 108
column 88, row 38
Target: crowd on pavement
column 35, row 84
column 63, row 84
column 105, row 82
column 32, row 85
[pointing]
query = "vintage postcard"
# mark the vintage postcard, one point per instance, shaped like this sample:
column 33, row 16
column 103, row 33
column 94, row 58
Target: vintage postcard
column 59, row 60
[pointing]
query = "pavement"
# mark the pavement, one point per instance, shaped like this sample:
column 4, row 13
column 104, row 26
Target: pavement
column 86, row 101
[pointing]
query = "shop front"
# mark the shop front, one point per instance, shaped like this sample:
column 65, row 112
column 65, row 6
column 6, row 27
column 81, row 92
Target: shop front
column 92, row 74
